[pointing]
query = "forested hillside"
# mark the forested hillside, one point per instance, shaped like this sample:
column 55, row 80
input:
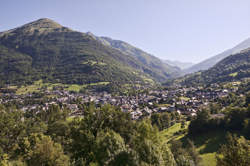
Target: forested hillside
column 158, row 69
column 233, row 68
column 46, row 50
column 210, row 62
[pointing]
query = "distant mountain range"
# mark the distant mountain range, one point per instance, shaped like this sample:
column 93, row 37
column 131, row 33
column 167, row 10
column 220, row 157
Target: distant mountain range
column 181, row 65
column 208, row 63
column 235, row 67
column 45, row 50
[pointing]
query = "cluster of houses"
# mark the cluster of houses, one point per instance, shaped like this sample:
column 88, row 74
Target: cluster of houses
column 182, row 100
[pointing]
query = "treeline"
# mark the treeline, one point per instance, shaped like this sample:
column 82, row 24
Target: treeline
column 232, row 118
column 165, row 120
column 103, row 136
column 236, row 150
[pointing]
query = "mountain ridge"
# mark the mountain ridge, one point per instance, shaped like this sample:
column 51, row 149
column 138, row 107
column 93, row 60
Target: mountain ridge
column 235, row 67
column 56, row 53
column 210, row 62
column 160, row 70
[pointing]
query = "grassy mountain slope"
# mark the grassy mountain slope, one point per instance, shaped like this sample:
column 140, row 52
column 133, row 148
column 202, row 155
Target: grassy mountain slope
column 46, row 50
column 156, row 67
column 208, row 63
column 232, row 68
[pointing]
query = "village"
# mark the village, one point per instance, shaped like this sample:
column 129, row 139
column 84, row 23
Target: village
column 186, row 101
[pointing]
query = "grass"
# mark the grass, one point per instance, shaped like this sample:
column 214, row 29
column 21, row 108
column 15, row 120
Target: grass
column 184, row 98
column 163, row 105
column 208, row 159
column 30, row 88
column 233, row 74
column 38, row 85
column 93, row 63
column 171, row 133
column 77, row 88
column 232, row 84
column 207, row 144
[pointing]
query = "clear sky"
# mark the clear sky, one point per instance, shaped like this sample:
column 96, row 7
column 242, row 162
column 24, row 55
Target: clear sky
column 185, row 30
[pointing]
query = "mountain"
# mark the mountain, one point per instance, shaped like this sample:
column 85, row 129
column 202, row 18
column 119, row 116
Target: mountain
column 181, row 65
column 206, row 64
column 232, row 68
column 46, row 50
column 158, row 69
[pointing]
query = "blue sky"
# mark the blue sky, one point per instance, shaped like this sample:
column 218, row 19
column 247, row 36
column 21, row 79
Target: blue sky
column 185, row 30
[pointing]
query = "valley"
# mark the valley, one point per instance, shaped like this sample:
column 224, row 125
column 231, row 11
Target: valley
column 73, row 98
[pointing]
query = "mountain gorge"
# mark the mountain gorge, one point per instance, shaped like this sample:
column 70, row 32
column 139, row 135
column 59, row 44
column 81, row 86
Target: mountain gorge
column 45, row 50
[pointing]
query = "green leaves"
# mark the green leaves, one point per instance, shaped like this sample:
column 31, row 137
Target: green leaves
column 235, row 152
column 39, row 149
column 109, row 137
column 109, row 145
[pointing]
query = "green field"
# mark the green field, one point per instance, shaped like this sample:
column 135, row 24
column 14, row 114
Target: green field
column 172, row 133
column 184, row 98
column 233, row 74
column 38, row 85
column 163, row 105
column 91, row 62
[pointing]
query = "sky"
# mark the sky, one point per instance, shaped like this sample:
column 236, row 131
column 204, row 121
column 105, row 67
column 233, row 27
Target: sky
column 184, row 30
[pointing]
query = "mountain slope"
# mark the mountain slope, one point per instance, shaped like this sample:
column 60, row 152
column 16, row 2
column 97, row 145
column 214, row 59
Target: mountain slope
column 233, row 68
column 158, row 68
column 46, row 50
column 206, row 64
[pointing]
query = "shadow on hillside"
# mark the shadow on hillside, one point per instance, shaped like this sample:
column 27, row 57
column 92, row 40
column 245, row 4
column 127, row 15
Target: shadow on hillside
column 208, row 142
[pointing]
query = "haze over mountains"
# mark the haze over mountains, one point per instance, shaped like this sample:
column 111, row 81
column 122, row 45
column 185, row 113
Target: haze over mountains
column 235, row 67
column 181, row 65
column 46, row 50
column 210, row 62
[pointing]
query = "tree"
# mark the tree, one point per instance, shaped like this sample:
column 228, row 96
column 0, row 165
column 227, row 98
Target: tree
column 3, row 159
column 182, row 124
column 183, row 156
column 59, row 131
column 247, row 100
column 235, row 153
column 149, row 146
column 193, row 154
column 10, row 132
column 39, row 149
column 109, row 146
column 200, row 123
column 161, row 120
column 235, row 118
column 214, row 108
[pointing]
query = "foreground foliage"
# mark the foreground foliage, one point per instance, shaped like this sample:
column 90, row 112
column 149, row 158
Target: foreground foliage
column 103, row 136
